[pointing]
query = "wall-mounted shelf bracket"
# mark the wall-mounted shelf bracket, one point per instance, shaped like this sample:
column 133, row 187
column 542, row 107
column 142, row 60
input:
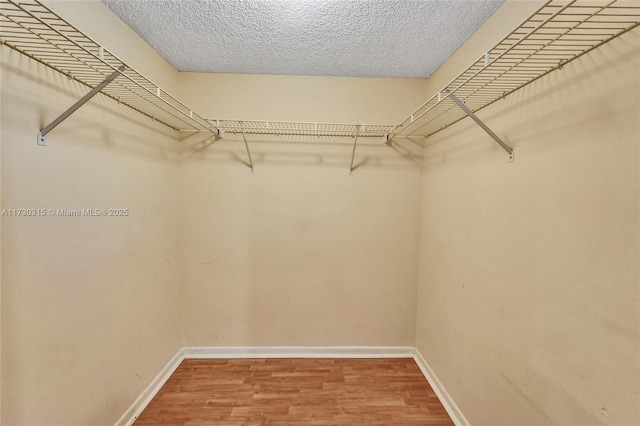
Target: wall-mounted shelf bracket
column 42, row 139
column 353, row 154
column 246, row 145
column 481, row 124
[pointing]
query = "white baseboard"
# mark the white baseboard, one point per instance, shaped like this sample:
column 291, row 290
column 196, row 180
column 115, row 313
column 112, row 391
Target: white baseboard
column 147, row 395
column 299, row 352
column 444, row 397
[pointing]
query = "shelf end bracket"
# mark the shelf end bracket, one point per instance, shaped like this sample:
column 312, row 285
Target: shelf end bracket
column 353, row 154
column 246, row 145
column 484, row 127
column 42, row 139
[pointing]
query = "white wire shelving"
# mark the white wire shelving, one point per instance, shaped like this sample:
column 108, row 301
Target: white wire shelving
column 556, row 34
column 297, row 128
column 34, row 30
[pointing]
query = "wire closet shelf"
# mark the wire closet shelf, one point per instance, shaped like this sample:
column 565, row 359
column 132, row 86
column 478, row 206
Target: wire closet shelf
column 36, row 31
column 298, row 128
column 557, row 33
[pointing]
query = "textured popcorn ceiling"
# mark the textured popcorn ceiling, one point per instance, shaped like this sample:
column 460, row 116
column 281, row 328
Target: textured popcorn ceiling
column 356, row 38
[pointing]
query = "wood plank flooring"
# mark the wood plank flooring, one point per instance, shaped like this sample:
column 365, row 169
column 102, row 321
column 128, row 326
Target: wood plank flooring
column 296, row 392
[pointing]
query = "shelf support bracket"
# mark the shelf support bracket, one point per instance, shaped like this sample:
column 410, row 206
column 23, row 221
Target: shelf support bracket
column 353, row 154
column 482, row 125
column 246, row 145
column 42, row 140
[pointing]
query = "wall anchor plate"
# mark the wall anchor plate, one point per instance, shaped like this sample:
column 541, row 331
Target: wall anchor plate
column 42, row 140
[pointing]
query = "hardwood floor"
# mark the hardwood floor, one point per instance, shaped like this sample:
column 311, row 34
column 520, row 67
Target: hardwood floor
column 296, row 392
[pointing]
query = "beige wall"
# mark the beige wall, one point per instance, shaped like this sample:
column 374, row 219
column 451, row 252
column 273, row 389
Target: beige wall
column 91, row 306
column 302, row 98
column 527, row 273
column 300, row 253
column 89, row 310
column 529, row 278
